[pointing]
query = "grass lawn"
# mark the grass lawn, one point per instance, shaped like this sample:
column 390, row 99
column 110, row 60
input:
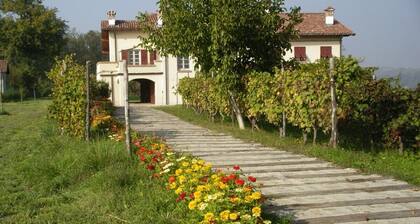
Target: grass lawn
column 387, row 162
column 47, row 178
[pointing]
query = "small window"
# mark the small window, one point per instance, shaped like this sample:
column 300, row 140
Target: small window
column 134, row 57
column 326, row 52
column 183, row 62
column 300, row 53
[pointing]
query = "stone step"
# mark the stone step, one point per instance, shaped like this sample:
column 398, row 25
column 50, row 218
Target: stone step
column 409, row 220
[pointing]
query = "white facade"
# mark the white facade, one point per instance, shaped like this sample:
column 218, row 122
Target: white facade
column 313, row 47
column 164, row 72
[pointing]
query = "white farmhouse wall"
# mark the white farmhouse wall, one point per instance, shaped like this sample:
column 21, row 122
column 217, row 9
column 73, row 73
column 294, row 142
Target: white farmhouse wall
column 313, row 48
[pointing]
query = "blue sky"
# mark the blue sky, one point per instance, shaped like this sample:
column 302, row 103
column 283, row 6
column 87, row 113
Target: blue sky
column 387, row 32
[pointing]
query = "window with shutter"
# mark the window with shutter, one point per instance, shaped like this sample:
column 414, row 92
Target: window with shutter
column 144, row 57
column 326, row 52
column 153, row 56
column 300, row 53
column 124, row 55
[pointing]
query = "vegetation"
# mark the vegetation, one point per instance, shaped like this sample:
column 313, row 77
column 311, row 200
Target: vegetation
column 32, row 35
column 47, row 178
column 227, row 39
column 384, row 162
column 387, row 113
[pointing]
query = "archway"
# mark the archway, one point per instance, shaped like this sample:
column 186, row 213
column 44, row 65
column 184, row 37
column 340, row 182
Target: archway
column 141, row 91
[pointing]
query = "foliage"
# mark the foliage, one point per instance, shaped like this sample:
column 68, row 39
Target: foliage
column 211, row 197
column 69, row 96
column 100, row 90
column 72, row 181
column 84, row 46
column 381, row 108
column 31, row 36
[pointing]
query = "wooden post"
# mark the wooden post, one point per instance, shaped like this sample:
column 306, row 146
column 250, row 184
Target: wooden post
column 1, row 93
column 333, row 139
column 126, row 109
column 283, row 133
column 87, row 121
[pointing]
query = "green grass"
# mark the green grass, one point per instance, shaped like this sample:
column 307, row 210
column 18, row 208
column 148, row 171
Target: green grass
column 47, row 178
column 386, row 162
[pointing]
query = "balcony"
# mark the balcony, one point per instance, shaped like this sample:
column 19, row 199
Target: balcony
column 111, row 68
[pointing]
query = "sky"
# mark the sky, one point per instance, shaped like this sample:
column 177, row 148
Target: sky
column 387, row 31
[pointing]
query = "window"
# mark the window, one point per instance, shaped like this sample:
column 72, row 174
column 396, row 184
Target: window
column 134, row 57
column 183, row 63
column 326, row 52
column 300, row 53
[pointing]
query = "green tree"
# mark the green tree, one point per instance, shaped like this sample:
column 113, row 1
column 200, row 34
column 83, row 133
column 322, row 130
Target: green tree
column 226, row 38
column 32, row 35
column 84, row 46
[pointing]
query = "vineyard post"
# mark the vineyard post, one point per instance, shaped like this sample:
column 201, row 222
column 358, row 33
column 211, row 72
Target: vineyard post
column 333, row 140
column 283, row 133
column 87, row 121
column 1, row 93
column 126, row 109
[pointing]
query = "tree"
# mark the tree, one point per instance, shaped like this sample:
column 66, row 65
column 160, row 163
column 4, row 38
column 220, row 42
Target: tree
column 32, row 35
column 84, row 46
column 226, row 38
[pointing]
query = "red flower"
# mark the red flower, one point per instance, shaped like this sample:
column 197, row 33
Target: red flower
column 142, row 158
column 137, row 143
column 155, row 159
column 252, row 179
column 150, row 167
column 232, row 176
column 225, row 179
column 236, row 167
column 192, row 196
column 239, row 182
column 172, row 179
column 181, row 197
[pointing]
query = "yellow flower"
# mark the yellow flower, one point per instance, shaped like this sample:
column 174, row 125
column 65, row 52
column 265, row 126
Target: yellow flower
column 224, row 216
column 256, row 211
column 222, row 185
column 233, row 216
column 185, row 164
column 172, row 185
column 245, row 217
column 256, row 195
column 209, row 217
column 202, row 206
column 179, row 190
column 248, row 198
column 201, row 162
column 234, row 200
column 192, row 205
column 181, row 179
column 201, row 188
column 197, row 195
column 188, row 171
column 178, row 172
column 196, row 167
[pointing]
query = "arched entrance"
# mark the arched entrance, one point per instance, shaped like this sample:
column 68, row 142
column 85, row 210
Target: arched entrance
column 141, row 91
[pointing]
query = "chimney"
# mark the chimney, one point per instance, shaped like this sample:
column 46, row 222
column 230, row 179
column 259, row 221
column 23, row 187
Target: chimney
column 329, row 16
column 111, row 17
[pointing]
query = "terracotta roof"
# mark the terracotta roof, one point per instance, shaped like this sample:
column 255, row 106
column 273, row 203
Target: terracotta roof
column 3, row 66
column 313, row 24
column 126, row 25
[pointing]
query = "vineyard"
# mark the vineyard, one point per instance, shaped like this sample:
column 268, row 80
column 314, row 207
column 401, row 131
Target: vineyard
column 372, row 113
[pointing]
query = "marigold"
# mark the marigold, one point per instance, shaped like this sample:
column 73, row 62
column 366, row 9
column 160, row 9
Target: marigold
column 252, row 179
column 197, row 194
column 179, row 190
column 256, row 211
column 185, row 164
column 178, row 172
column 256, row 195
column 233, row 216
column 192, row 205
column 209, row 217
column 224, row 216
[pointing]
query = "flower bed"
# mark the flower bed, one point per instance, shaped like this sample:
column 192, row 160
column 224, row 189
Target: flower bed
column 212, row 196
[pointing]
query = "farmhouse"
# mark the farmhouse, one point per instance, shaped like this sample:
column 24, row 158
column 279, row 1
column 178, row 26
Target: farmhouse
column 157, row 76
column 3, row 74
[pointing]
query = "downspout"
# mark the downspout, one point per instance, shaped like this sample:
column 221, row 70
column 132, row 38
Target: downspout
column 167, row 79
column 115, row 46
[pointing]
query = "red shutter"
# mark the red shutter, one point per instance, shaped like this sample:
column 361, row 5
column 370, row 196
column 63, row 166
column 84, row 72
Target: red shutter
column 152, row 57
column 326, row 52
column 144, row 57
column 300, row 53
column 124, row 55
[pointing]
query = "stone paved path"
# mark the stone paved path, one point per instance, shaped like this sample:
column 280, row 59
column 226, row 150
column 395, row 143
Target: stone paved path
column 312, row 190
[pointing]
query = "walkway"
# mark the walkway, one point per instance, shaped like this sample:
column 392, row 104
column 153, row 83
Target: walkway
column 313, row 190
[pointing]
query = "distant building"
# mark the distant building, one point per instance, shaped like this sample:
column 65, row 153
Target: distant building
column 3, row 75
column 320, row 37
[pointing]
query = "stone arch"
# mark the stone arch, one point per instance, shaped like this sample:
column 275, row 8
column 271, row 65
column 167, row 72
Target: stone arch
column 142, row 91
